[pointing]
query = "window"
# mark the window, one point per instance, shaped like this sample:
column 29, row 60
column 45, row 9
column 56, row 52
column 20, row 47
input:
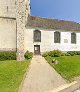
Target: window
column 73, row 37
column 7, row 8
column 37, row 36
column 56, row 37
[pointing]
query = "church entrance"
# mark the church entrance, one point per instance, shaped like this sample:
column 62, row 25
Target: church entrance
column 37, row 49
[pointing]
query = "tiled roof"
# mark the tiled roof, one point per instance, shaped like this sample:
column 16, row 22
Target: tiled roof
column 47, row 23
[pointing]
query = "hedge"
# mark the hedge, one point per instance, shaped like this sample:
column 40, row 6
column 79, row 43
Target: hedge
column 54, row 53
column 73, row 53
column 7, row 56
column 58, row 53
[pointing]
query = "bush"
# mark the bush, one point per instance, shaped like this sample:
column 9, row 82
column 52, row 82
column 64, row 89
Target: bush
column 28, row 55
column 72, row 53
column 67, row 54
column 45, row 54
column 54, row 53
column 78, row 52
column 7, row 56
column 57, row 53
column 51, row 54
column 63, row 54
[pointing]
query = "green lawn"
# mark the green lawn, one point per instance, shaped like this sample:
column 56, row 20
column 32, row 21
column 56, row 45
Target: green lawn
column 68, row 67
column 11, row 75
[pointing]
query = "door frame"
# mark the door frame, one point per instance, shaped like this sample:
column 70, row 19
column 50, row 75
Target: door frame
column 35, row 52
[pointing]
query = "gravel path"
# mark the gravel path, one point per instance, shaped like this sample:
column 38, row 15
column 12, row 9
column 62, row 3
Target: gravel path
column 41, row 77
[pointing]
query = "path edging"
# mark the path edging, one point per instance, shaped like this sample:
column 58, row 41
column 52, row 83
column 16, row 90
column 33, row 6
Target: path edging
column 68, row 87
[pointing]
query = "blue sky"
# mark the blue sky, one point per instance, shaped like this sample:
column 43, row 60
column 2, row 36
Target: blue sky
column 59, row 9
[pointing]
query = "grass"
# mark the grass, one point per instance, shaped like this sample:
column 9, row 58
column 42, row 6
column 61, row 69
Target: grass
column 11, row 75
column 68, row 67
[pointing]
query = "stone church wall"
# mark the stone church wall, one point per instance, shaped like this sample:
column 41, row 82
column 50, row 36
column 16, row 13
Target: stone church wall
column 8, row 8
column 47, row 41
column 7, row 34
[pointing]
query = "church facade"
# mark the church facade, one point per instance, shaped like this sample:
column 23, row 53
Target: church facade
column 21, row 32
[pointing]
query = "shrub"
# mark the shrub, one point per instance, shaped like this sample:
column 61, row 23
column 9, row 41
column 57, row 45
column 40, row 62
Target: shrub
column 78, row 52
column 45, row 54
column 63, row 54
column 72, row 53
column 51, row 53
column 28, row 55
column 7, row 56
column 67, row 54
column 56, row 53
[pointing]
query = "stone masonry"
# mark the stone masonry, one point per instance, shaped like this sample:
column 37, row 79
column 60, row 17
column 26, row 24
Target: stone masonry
column 20, row 17
column 8, row 8
column 13, row 17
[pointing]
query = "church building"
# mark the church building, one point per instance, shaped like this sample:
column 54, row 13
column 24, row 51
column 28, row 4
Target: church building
column 19, row 31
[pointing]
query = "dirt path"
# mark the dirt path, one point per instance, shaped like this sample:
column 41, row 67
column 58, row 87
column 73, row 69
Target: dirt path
column 41, row 77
